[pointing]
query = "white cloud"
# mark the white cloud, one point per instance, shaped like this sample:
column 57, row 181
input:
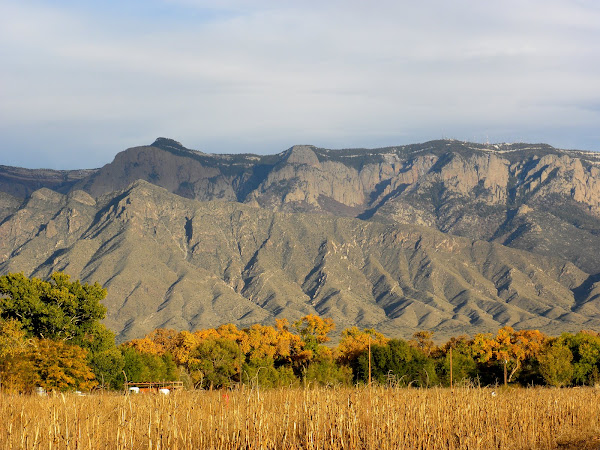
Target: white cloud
column 259, row 76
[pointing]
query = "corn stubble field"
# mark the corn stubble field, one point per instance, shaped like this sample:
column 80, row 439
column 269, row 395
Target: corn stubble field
column 382, row 418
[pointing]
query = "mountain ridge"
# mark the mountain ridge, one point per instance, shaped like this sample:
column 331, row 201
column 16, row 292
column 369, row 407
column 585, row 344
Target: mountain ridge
column 444, row 235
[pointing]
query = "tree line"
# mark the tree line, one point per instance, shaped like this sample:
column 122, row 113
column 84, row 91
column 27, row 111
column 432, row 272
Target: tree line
column 51, row 336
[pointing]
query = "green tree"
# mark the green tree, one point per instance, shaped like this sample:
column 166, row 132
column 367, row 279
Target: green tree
column 54, row 309
column 140, row 367
column 263, row 373
column 396, row 362
column 585, row 348
column 214, row 363
column 327, row 373
column 555, row 364
column 108, row 366
column 464, row 367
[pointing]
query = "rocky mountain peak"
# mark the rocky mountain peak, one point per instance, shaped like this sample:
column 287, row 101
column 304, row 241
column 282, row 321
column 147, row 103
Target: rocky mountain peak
column 302, row 154
column 167, row 143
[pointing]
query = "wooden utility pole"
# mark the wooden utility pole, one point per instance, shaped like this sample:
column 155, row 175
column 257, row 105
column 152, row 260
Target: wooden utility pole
column 240, row 370
column 450, row 368
column 369, row 360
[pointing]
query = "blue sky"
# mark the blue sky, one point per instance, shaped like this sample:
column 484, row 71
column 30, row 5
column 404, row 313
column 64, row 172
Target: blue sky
column 83, row 80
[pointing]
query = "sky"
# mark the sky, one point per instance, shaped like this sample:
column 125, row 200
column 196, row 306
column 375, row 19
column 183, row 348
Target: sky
column 81, row 80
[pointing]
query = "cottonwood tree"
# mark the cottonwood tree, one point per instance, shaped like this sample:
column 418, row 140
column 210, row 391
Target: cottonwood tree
column 509, row 348
column 56, row 309
column 314, row 330
column 354, row 341
column 555, row 364
column 17, row 372
column 62, row 366
column 215, row 363
column 423, row 340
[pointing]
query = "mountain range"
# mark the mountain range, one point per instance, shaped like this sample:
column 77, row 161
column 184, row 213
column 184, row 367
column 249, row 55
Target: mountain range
column 448, row 236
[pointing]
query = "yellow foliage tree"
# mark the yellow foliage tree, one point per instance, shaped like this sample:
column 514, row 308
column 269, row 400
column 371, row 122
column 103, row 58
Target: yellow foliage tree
column 314, row 328
column 509, row 348
column 17, row 373
column 184, row 343
column 62, row 366
column 354, row 341
column 145, row 345
column 423, row 340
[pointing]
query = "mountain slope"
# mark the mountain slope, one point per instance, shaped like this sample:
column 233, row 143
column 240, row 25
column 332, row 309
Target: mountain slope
column 528, row 196
column 168, row 261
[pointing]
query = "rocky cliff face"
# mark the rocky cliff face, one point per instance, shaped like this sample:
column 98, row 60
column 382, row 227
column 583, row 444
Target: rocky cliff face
column 300, row 182
column 420, row 183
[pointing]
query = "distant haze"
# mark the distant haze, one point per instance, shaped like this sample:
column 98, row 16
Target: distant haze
column 80, row 81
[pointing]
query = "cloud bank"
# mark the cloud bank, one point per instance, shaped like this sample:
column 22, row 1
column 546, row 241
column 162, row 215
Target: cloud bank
column 81, row 81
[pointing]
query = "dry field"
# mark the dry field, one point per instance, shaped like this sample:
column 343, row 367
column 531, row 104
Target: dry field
column 381, row 418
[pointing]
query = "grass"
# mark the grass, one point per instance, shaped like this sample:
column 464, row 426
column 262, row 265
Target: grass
column 383, row 418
